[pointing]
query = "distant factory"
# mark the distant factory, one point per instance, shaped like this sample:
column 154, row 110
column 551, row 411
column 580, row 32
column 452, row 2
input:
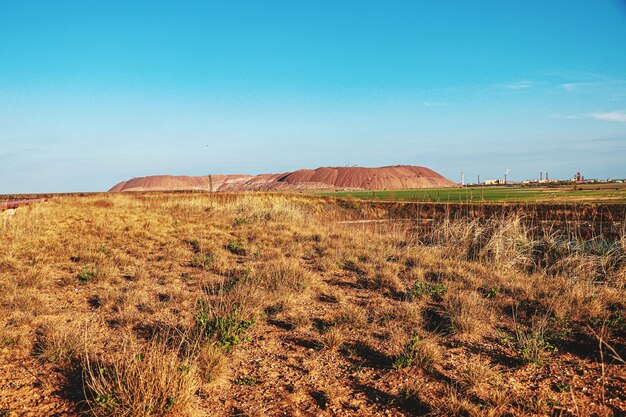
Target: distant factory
column 544, row 178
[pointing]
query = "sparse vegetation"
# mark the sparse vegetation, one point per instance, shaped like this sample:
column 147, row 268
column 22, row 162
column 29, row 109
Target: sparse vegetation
column 265, row 303
column 418, row 352
column 59, row 345
column 467, row 313
column 134, row 381
column 237, row 248
column 224, row 329
column 533, row 345
column 87, row 275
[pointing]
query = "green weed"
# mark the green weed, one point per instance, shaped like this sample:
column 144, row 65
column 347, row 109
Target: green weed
column 236, row 248
column 226, row 330
column 87, row 275
column 247, row 381
column 533, row 346
column 418, row 352
column 202, row 260
column 420, row 288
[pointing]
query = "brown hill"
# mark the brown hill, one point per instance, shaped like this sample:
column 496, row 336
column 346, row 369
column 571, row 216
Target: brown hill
column 385, row 178
column 171, row 182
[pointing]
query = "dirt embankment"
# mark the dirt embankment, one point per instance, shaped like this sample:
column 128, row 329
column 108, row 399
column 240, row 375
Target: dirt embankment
column 385, row 178
column 564, row 212
column 4, row 205
column 607, row 220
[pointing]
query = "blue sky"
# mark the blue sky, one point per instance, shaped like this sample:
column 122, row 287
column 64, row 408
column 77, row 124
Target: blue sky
column 95, row 92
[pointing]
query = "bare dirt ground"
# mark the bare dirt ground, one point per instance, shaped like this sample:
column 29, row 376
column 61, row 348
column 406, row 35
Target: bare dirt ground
column 273, row 305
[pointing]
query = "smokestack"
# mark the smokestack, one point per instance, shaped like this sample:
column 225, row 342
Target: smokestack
column 546, row 175
column 540, row 175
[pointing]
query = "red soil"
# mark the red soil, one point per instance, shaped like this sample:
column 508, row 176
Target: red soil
column 385, row 178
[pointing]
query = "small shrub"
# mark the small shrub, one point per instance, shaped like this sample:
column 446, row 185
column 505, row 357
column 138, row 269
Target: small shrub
column 491, row 293
column 452, row 403
column 385, row 277
column 226, row 330
column 407, row 315
column 235, row 278
column 438, row 290
column 418, row 352
column 532, row 345
column 467, row 313
column 418, row 289
column 333, row 338
column 87, row 275
column 212, row 365
column 510, row 244
column 435, row 289
column 558, row 331
column 475, row 372
column 615, row 321
column 283, row 275
column 149, row 381
column 236, row 248
column 58, row 345
column 202, row 260
column 353, row 315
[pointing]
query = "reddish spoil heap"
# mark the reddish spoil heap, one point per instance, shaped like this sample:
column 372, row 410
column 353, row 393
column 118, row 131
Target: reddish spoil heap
column 385, row 178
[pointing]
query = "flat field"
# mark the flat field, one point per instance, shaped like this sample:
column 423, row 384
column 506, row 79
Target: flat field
column 278, row 304
column 586, row 193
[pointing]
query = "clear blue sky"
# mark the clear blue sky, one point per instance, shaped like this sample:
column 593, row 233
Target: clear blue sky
column 94, row 92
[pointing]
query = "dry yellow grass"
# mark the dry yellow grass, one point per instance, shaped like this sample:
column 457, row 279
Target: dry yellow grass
column 260, row 304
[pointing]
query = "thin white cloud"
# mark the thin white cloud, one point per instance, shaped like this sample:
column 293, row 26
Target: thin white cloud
column 594, row 85
column 612, row 116
column 520, row 85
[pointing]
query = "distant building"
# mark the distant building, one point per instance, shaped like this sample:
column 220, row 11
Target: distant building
column 494, row 182
column 578, row 178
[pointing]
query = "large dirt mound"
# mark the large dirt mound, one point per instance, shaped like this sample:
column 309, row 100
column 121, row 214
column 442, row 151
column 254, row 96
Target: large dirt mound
column 385, row 178
column 171, row 182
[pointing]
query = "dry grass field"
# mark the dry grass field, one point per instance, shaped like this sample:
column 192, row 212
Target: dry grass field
column 266, row 304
